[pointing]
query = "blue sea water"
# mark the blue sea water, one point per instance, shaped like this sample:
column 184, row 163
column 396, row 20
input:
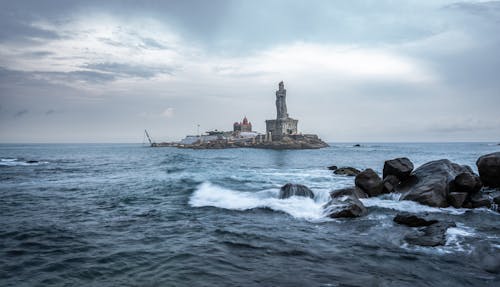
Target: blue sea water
column 129, row 215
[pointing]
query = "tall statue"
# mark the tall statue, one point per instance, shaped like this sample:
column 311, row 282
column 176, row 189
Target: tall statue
column 281, row 102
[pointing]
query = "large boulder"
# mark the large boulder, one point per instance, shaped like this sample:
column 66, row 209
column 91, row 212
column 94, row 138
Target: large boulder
column 344, row 203
column 399, row 167
column 480, row 199
column 430, row 183
column 432, row 235
column 412, row 220
column 369, row 181
column 349, row 171
column 290, row 189
column 489, row 169
column 467, row 182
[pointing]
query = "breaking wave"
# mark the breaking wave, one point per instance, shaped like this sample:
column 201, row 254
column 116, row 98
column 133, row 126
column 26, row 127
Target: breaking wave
column 208, row 194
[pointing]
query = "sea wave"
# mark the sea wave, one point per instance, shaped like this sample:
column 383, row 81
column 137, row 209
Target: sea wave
column 208, row 194
column 19, row 162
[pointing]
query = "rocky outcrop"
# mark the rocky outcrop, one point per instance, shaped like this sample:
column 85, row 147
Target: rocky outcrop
column 349, row 171
column 432, row 235
column 344, row 203
column 369, row 181
column 412, row 220
column 289, row 190
column 430, row 184
column 356, row 191
column 489, row 169
column 399, row 167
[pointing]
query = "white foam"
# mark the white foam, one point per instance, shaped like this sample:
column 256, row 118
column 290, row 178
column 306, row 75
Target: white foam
column 208, row 194
column 407, row 205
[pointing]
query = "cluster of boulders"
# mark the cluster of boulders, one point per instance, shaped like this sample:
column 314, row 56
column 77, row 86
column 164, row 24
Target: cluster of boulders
column 439, row 183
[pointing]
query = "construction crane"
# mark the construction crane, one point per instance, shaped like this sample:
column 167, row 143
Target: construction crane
column 151, row 142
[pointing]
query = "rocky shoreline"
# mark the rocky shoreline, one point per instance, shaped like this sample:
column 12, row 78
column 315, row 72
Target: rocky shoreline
column 439, row 183
column 281, row 143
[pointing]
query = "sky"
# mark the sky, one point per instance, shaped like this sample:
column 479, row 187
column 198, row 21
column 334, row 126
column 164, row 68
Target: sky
column 355, row 71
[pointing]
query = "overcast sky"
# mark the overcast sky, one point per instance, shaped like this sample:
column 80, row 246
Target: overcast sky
column 103, row 71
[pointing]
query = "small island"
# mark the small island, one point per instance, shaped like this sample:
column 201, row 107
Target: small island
column 281, row 133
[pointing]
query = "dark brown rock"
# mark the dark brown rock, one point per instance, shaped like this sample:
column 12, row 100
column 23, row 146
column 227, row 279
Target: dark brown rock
column 399, row 167
column 489, row 169
column 430, row 183
column 457, row 199
column 344, row 203
column 349, row 171
column 289, row 190
column 467, row 182
column 412, row 220
column 369, row 181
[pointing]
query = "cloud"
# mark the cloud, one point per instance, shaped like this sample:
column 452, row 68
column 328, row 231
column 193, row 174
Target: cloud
column 168, row 113
column 127, row 70
column 21, row 113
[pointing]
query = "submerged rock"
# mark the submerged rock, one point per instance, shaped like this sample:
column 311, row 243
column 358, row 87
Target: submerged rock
column 432, row 235
column 344, row 203
column 369, row 181
column 290, row 189
column 356, row 191
column 489, row 169
column 430, row 183
column 399, row 167
column 332, row 167
column 412, row 220
column 349, row 171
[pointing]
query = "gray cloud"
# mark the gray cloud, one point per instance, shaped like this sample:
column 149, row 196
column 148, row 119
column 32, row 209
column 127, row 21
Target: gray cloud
column 125, row 70
column 20, row 113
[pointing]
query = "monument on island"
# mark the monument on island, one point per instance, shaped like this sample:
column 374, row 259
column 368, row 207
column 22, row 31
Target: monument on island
column 283, row 124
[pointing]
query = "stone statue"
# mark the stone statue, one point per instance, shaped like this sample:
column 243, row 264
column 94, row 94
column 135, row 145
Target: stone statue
column 281, row 102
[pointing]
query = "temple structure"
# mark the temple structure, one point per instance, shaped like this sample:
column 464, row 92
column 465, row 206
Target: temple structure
column 244, row 126
column 283, row 124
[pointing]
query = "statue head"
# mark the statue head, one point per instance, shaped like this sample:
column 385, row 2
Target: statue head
column 281, row 85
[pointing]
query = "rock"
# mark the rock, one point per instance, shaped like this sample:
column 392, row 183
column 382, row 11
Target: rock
column 344, row 203
column 32, row 161
column 489, row 169
column 399, row 167
column 369, row 181
column 496, row 199
column 289, row 190
column 355, row 191
column 390, row 182
column 349, row 171
column 467, row 182
column 356, row 145
column 457, row 199
column 432, row 235
column 480, row 200
column 412, row 220
column 430, row 183
column 332, row 167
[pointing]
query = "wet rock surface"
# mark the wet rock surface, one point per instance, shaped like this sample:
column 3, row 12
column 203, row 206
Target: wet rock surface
column 399, row 167
column 369, row 181
column 348, row 171
column 413, row 220
column 489, row 169
column 289, row 190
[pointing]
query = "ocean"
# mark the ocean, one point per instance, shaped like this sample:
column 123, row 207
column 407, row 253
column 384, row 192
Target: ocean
column 130, row 215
